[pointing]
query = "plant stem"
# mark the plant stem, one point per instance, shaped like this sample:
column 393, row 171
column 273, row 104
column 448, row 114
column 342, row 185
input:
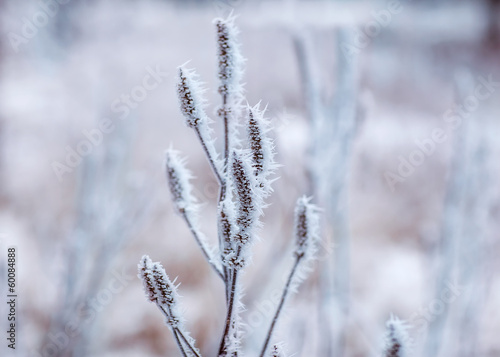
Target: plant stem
column 280, row 306
column 175, row 331
column 193, row 350
column 210, row 156
column 204, row 250
column 230, row 314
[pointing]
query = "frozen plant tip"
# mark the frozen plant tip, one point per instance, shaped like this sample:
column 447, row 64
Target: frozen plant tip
column 247, row 197
column 190, row 99
column 261, row 147
column 178, row 181
column 306, row 236
column 397, row 340
column 180, row 188
column 230, row 61
column 162, row 291
column 306, row 228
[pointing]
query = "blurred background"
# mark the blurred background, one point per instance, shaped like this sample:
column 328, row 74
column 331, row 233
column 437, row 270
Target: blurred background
column 387, row 112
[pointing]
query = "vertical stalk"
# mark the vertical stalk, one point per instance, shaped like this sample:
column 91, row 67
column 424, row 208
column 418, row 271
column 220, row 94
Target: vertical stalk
column 280, row 306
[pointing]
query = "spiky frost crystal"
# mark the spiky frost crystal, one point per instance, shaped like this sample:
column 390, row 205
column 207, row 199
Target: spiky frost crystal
column 246, row 197
column 159, row 289
column 190, row 97
column 261, row 147
column 146, row 277
column 178, row 181
column 397, row 340
column 230, row 61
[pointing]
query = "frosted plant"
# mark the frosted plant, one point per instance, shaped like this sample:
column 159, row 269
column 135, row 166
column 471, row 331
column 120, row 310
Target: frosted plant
column 180, row 188
column 306, row 236
column 160, row 290
column 244, row 172
column 396, row 341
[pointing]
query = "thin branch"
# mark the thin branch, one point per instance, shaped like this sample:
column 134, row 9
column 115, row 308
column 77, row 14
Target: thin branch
column 210, row 156
column 181, row 347
column 230, row 313
column 203, row 248
column 191, row 347
column 280, row 306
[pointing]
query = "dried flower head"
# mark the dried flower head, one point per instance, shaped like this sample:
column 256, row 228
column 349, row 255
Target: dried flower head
column 261, row 146
column 306, row 228
column 166, row 294
column 397, row 340
column 146, row 277
column 230, row 61
column 246, row 198
column 178, row 181
column 190, row 97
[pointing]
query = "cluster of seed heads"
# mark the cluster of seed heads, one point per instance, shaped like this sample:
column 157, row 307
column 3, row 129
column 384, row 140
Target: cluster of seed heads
column 159, row 289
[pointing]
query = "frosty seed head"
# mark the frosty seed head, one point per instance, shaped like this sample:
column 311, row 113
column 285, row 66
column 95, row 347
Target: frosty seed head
column 397, row 340
column 190, row 99
column 230, row 61
column 178, row 181
column 244, row 194
column 306, row 227
column 261, row 147
column 145, row 274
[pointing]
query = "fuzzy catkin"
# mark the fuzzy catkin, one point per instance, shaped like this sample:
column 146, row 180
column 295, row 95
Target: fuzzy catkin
column 146, row 277
column 261, row 147
column 190, row 99
column 230, row 61
column 245, row 197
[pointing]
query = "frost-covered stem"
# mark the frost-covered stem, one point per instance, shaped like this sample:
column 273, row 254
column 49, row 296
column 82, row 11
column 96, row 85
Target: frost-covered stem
column 230, row 317
column 210, row 156
column 202, row 246
column 280, row 306
column 186, row 341
column 176, row 332
column 179, row 344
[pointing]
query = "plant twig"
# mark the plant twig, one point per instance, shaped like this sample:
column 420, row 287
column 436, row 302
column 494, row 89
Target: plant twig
column 280, row 306
column 202, row 246
column 210, row 156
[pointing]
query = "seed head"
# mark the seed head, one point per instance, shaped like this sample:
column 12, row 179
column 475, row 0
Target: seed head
column 146, row 275
column 178, row 181
column 190, row 97
column 306, row 227
column 230, row 61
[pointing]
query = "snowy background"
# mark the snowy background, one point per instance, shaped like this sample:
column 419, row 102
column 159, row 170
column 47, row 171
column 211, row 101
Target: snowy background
column 421, row 178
